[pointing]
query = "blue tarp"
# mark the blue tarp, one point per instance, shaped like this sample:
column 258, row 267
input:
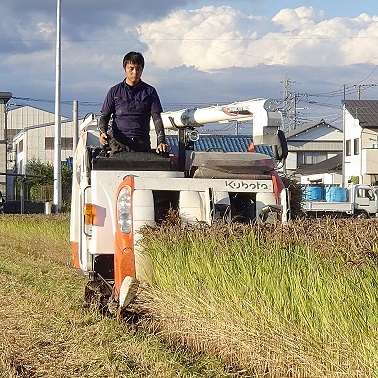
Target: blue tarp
column 225, row 143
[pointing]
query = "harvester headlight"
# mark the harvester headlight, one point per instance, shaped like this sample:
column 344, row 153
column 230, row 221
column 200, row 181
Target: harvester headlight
column 124, row 210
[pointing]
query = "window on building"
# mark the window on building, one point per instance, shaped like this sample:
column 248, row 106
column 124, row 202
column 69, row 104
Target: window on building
column 66, row 143
column 49, row 143
column 356, row 146
column 374, row 180
column 348, row 145
column 20, row 146
column 308, row 158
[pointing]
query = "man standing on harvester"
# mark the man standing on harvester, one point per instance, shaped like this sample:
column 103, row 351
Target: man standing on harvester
column 131, row 104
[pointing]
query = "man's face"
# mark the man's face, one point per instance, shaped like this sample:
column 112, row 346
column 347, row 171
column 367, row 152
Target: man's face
column 133, row 73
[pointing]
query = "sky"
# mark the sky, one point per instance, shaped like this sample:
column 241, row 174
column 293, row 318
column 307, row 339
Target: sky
column 198, row 53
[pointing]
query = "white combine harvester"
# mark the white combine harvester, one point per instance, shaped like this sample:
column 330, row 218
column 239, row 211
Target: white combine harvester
column 113, row 197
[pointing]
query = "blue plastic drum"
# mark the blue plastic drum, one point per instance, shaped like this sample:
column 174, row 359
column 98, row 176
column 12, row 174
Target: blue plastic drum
column 336, row 194
column 312, row 193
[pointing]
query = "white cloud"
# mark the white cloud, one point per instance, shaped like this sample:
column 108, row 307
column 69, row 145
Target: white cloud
column 47, row 29
column 211, row 54
column 207, row 38
column 218, row 37
column 296, row 19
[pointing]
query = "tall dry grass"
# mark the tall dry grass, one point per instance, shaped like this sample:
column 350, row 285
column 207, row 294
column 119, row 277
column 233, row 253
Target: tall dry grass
column 296, row 300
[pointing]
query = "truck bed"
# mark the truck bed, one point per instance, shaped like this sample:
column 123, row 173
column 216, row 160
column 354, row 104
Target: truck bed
column 318, row 206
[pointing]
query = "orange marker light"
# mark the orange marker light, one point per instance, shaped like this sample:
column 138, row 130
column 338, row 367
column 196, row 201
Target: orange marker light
column 89, row 213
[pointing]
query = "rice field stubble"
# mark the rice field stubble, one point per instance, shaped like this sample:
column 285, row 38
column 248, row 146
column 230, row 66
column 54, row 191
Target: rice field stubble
column 45, row 329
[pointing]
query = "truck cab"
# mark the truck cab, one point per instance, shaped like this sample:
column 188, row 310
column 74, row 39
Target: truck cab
column 365, row 199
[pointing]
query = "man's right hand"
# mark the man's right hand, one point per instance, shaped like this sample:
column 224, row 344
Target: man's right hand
column 104, row 139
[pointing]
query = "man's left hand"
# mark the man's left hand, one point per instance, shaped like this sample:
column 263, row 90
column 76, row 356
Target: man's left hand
column 162, row 148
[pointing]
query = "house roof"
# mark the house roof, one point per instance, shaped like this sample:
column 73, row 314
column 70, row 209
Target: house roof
column 307, row 126
column 220, row 143
column 331, row 165
column 364, row 110
column 15, row 108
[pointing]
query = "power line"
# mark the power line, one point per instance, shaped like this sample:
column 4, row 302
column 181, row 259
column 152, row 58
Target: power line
column 367, row 77
column 174, row 38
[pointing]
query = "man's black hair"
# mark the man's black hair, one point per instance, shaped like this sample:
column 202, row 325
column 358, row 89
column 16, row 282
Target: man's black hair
column 133, row 57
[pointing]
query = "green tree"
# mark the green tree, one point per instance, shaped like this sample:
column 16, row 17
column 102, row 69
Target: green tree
column 66, row 187
column 37, row 175
column 355, row 179
column 39, row 179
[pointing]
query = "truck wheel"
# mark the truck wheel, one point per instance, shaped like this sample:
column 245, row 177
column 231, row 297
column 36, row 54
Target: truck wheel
column 362, row 215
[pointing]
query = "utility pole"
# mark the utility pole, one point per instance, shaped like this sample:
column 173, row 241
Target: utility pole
column 4, row 98
column 75, row 125
column 57, row 200
column 289, row 105
column 363, row 86
column 358, row 92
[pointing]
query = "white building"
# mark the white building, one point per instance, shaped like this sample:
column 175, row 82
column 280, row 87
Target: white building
column 30, row 136
column 361, row 141
column 31, row 131
column 312, row 143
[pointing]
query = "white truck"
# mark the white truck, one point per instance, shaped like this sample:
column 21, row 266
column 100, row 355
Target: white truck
column 359, row 201
column 113, row 197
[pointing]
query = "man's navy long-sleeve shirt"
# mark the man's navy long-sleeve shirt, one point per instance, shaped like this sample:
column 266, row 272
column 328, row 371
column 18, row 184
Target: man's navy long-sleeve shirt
column 131, row 108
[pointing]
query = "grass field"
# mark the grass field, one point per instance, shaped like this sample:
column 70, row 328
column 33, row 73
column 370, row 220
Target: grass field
column 228, row 301
column 296, row 300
